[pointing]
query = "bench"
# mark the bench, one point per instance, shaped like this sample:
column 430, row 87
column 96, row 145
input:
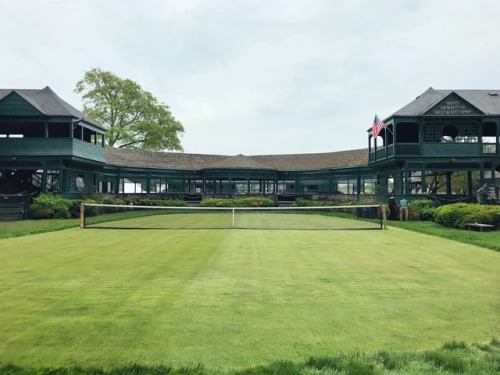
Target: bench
column 479, row 227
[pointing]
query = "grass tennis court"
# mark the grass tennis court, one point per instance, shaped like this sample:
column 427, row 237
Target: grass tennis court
column 236, row 298
column 226, row 218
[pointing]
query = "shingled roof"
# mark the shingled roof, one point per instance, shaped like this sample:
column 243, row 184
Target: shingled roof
column 185, row 161
column 487, row 101
column 160, row 160
column 304, row 162
column 239, row 162
column 47, row 102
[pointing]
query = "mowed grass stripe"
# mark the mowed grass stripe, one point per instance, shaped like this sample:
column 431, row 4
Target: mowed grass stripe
column 235, row 298
column 90, row 294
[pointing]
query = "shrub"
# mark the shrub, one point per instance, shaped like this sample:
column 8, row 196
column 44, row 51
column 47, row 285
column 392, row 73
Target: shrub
column 140, row 201
column 92, row 194
column 172, row 203
column 74, row 208
column 302, row 202
column 93, row 211
column 40, row 212
column 458, row 214
column 237, row 202
column 50, row 206
column 423, row 209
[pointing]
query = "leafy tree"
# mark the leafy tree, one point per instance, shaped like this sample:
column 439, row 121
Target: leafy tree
column 134, row 118
column 435, row 182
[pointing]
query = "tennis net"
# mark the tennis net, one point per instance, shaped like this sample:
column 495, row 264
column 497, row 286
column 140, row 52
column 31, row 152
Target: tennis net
column 279, row 218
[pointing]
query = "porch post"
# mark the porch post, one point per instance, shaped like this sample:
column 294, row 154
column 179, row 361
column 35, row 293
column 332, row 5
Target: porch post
column 469, row 183
column 448, row 182
column 44, row 179
column 423, row 178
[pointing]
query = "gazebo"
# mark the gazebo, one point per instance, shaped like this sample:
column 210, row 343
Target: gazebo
column 441, row 138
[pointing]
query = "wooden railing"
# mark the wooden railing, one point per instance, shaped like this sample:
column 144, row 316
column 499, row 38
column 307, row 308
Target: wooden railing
column 52, row 146
column 433, row 149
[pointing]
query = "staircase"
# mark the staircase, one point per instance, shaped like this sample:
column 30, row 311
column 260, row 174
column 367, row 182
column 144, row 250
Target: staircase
column 10, row 212
column 13, row 207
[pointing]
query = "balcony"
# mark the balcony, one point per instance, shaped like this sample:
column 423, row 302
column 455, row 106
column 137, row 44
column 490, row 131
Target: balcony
column 57, row 147
column 456, row 149
column 452, row 149
column 382, row 153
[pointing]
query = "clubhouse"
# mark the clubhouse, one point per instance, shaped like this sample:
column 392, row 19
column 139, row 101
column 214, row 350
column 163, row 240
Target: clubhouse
column 423, row 149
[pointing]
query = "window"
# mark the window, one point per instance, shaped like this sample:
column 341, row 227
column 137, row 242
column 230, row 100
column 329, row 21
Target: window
column 80, row 182
column 450, row 132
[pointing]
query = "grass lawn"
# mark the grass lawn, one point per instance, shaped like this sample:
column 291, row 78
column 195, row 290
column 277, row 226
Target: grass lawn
column 488, row 240
column 236, row 298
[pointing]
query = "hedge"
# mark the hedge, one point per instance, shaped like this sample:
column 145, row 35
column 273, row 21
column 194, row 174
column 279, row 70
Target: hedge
column 458, row 214
column 422, row 209
column 237, row 202
column 51, row 206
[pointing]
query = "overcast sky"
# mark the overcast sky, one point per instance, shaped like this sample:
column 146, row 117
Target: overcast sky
column 258, row 77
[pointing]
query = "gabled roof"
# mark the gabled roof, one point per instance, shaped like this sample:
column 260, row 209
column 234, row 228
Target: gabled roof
column 45, row 100
column 47, row 103
column 182, row 161
column 486, row 101
column 238, row 161
column 30, row 100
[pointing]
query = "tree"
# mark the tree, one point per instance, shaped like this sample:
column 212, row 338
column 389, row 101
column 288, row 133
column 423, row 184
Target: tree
column 134, row 118
column 435, row 182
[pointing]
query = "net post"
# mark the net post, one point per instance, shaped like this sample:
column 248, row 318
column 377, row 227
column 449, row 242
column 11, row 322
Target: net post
column 233, row 219
column 384, row 217
column 82, row 215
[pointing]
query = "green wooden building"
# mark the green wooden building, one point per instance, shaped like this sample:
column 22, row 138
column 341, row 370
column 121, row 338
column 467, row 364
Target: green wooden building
column 46, row 145
column 444, row 142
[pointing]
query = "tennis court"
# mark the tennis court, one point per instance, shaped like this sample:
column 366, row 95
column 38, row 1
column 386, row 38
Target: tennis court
column 238, row 298
column 302, row 218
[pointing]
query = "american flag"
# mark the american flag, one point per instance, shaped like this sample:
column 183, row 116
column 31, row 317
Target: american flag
column 377, row 126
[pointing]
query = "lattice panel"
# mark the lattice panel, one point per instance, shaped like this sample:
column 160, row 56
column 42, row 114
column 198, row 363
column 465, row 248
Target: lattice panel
column 468, row 131
column 79, row 181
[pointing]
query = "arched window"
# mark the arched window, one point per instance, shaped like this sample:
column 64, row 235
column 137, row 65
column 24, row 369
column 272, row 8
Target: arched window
column 450, row 132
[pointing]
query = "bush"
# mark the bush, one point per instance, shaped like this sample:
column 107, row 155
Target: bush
column 74, row 208
column 423, row 209
column 40, row 212
column 457, row 215
column 302, row 202
column 50, row 206
column 138, row 201
column 237, row 202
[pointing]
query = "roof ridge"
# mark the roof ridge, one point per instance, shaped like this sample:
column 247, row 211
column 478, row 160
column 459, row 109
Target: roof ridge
column 239, row 161
column 61, row 103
